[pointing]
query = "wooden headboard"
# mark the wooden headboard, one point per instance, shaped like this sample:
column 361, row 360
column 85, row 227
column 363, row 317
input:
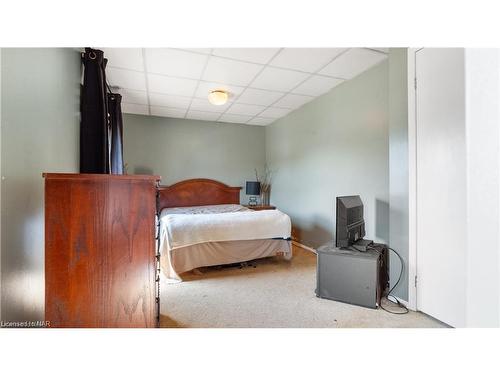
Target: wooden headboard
column 197, row 192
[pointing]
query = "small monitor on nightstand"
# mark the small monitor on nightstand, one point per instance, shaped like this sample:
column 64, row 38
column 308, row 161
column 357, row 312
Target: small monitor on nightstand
column 253, row 189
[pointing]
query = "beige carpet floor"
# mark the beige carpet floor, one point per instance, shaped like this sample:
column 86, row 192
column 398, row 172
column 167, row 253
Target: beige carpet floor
column 277, row 293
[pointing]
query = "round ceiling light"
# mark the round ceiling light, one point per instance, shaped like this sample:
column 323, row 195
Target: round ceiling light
column 218, row 97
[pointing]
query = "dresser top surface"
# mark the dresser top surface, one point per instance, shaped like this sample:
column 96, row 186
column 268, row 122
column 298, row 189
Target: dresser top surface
column 89, row 176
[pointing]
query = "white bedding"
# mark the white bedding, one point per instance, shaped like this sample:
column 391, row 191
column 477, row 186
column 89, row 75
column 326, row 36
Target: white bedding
column 183, row 227
column 212, row 209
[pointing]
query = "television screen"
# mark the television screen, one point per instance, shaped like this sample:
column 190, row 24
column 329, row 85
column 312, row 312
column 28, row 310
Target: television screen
column 350, row 224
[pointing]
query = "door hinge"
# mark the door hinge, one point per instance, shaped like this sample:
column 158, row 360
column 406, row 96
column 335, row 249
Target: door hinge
column 415, row 82
column 415, row 281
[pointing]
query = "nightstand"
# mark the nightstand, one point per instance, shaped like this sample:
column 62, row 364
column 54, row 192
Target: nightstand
column 260, row 208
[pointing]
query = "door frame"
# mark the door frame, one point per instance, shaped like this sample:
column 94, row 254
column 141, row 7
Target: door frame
column 412, row 179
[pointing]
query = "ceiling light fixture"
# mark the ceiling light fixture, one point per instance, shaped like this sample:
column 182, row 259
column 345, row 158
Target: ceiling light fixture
column 218, row 97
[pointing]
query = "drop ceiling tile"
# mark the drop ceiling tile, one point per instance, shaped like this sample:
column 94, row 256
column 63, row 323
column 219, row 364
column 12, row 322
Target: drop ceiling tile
column 204, row 105
column 261, row 121
column 384, row 50
column 126, row 58
column 317, row 85
column 167, row 112
column 352, row 63
column 305, row 59
column 259, row 97
column 255, row 55
column 205, row 51
column 171, row 85
column 126, row 79
column 174, row 62
column 226, row 117
column 245, row 109
column 278, row 79
column 293, row 101
column 268, row 98
column 171, row 101
column 137, row 109
column 274, row 112
column 199, row 115
column 204, row 88
column 134, row 96
column 230, row 72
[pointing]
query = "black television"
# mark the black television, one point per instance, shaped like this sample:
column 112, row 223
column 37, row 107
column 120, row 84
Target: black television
column 350, row 224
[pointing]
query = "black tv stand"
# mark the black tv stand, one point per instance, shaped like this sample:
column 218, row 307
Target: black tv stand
column 362, row 245
column 357, row 277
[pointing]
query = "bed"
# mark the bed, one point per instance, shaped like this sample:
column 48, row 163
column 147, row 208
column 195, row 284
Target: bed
column 203, row 224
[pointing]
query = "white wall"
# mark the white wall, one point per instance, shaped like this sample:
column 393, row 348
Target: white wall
column 482, row 81
column 481, row 176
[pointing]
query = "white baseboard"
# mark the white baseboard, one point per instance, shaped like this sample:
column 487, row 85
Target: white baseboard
column 304, row 246
column 403, row 302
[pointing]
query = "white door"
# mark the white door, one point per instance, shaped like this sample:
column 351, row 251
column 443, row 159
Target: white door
column 441, row 184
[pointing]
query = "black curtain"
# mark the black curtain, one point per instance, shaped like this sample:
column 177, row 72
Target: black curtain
column 101, row 129
column 94, row 148
column 116, row 130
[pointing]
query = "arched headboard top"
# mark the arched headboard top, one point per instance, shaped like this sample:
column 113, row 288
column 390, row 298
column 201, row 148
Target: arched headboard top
column 197, row 192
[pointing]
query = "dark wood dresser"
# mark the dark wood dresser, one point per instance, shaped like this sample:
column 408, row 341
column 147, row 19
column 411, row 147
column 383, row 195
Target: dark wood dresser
column 101, row 261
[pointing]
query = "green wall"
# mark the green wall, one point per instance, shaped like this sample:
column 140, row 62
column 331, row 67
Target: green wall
column 40, row 127
column 178, row 149
column 398, row 165
column 0, row 184
column 335, row 145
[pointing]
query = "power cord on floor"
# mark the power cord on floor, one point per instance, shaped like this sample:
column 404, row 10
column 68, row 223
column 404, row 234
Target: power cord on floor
column 389, row 295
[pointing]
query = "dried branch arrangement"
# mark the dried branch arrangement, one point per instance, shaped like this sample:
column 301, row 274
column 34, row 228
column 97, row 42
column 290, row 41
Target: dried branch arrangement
column 264, row 179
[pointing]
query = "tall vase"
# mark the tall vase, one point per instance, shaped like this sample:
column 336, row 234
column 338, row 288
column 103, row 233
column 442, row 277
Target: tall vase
column 264, row 198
